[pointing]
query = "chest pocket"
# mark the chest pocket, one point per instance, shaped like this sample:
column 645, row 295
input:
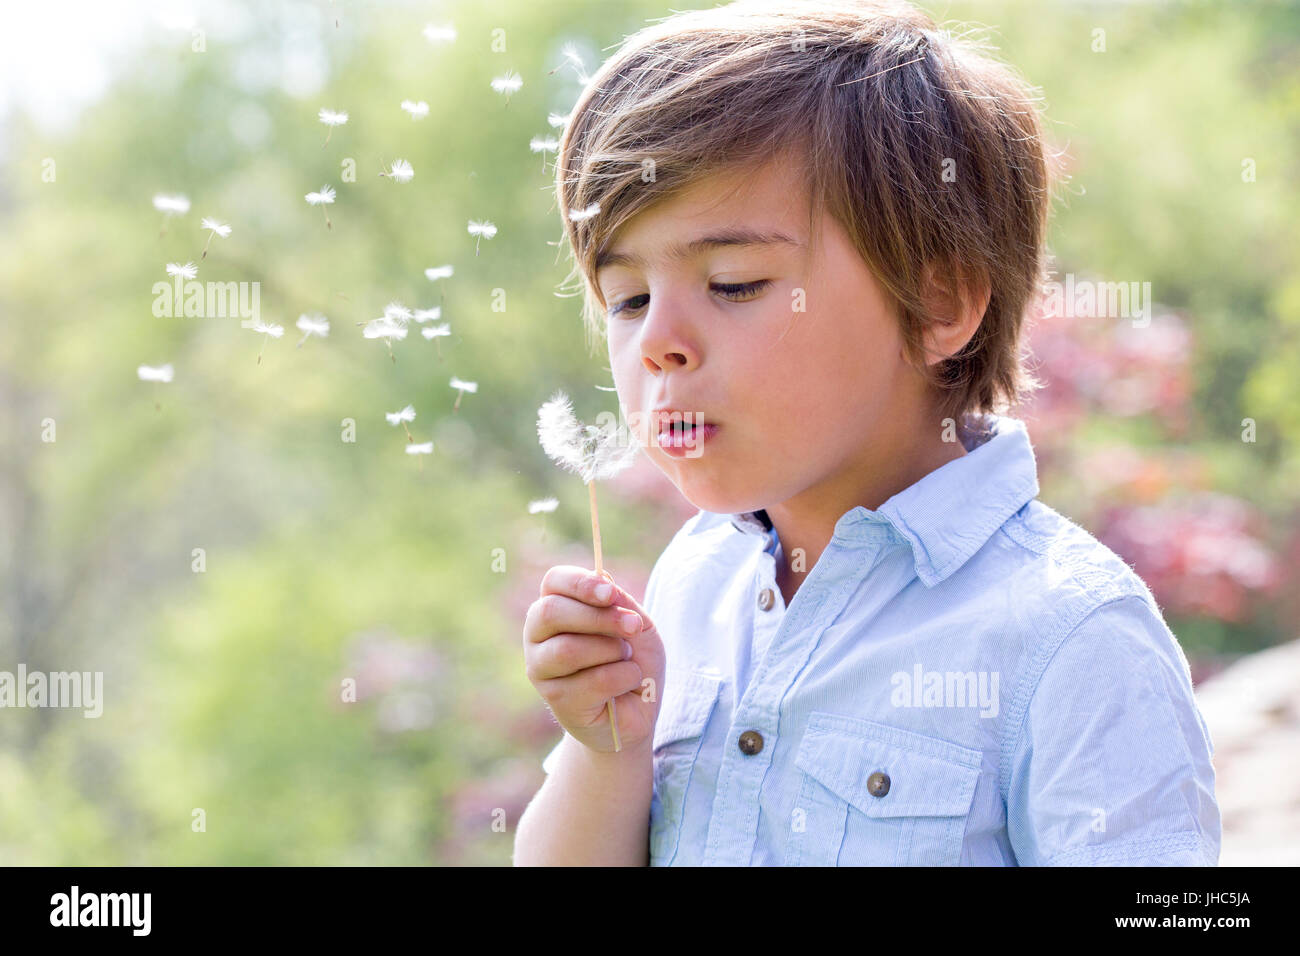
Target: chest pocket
column 688, row 701
column 845, row 815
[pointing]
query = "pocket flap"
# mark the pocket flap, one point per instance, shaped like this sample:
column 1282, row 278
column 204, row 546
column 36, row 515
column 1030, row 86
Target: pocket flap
column 688, row 699
column 927, row 776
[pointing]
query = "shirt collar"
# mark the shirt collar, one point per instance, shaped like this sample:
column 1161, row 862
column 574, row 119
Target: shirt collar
column 950, row 513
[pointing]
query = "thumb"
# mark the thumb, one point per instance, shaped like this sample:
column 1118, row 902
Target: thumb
column 623, row 598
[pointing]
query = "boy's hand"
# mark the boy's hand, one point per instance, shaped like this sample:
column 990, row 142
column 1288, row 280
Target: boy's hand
column 574, row 656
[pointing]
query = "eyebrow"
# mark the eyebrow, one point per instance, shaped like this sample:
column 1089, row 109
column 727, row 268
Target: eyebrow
column 678, row 252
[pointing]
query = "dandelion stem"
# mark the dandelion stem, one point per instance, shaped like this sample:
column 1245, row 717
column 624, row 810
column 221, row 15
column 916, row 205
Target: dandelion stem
column 409, row 437
column 206, row 244
column 456, row 407
column 595, row 537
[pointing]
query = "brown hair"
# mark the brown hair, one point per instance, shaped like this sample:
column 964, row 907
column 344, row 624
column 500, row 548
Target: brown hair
column 880, row 104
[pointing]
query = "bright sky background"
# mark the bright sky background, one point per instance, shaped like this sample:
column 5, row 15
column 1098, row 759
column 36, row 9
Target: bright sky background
column 57, row 56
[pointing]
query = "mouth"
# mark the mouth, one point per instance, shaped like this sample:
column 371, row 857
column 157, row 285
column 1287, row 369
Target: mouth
column 680, row 433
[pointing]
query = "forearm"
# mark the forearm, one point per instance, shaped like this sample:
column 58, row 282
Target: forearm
column 593, row 810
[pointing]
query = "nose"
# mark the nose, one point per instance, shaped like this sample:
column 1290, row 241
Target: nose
column 666, row 342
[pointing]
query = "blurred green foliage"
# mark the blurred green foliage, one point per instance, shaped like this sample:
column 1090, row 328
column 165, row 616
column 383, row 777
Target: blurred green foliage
column 324, row 557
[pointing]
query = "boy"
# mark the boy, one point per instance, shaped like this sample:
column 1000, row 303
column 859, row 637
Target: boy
column 818, row 229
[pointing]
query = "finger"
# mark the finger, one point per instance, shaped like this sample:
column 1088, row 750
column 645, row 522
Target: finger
column 576, row 582
column 589, row 689
column 567, row 654
column 553, row 614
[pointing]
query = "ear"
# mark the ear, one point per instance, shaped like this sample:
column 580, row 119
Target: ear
column 955, row 321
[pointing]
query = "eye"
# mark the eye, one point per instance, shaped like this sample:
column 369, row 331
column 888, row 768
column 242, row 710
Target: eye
column 732, row 291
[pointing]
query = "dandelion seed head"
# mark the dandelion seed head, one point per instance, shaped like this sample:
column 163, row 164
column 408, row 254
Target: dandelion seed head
column 397, row 313
column 484, row 229
column 425, row 449
column 417, row 110
column 400, row 171
column 556, row 120
column 150, row 373
column 382, row 328
column 273, row 330
column 464, row 386
column 407, row 414
column 543, row 504
column 435, row 331
column 578, row 215
column 435, row 34
column 220, row 228
column 438, row 272
column 187, row 271
column 332, row 118
column 314, row 324
column 175, row 205
column 508, row 82
column 424, row 315
column 539, row 145
column 325, row 196
column 590, row 451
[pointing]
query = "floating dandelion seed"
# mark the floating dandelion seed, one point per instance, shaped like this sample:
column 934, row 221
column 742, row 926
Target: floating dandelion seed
column 507, row 83
column 543, row 506
column 543, row 145
column 436, row 332
column 386, row 329
column 323, row 198
column 397, row 313
column 187, row 271
column 424, row 449
column 400, row 172
column 593, row 453
column 570, row 52
column 556, row 120
column 270, row 331
column 407, row 414
column 176, row 205
column 578, row 215
column 438, row 272
column 331, row 119
column 484, row 230
column 439, row 34
column 462, row 388
column 417, row 110
column 214, row 229
column 150, row 373
column 314, row 324
column 424, row 315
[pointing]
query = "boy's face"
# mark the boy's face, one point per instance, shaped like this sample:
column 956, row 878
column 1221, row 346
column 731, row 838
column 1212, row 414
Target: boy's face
column 804, row 401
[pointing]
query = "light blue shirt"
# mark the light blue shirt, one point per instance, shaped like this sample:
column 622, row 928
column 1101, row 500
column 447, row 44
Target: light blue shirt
column 965, row 677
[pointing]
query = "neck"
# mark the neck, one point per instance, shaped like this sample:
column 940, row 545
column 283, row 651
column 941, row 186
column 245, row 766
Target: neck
column 806, row 522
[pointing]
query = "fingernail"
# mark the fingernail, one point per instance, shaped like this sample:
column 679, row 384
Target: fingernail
column 627, row 650
column 604, row 590
column 631, row 622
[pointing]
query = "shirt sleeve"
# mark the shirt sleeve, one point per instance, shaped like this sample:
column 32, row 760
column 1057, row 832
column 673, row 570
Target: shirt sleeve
column 1113, row 763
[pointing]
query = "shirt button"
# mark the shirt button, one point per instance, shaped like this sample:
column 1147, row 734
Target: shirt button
column 878, row 784
column 751, row 742
column 766, row 599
